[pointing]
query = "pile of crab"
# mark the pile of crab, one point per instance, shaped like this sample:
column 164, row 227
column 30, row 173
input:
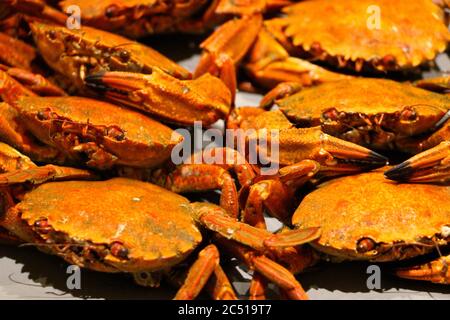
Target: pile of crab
column 88, row 121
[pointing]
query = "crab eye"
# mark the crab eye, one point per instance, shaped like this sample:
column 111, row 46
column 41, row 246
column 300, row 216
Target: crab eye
column 330, row 114
column 408, row 115
column 365, row 245
column 118, row 250
column 111, row 11
column 51, row 35
column 124, row 55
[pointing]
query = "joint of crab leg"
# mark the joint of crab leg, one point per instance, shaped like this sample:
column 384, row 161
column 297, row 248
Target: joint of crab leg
column 201, row 177
column 216, row 219
column 219, row 286
column 199, row 273
column 429, row 166
column 226, row 47
column 299, row 172
column 279, row 92
column 266, row 267
column 437, row 271
column 293, row 238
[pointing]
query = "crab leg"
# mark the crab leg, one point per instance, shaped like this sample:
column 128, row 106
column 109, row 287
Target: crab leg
column 15, row 53
column 182, row 102
column 226, row 47
column 258, row 286
column 39, row 175
column 217, row 219
column 38, row 8
column 276, row 194
column 431, row 166
column 35, row 82
column 199, row 273
column 281, row 91
column 436, row 271
column 269, row 64
column 209, row 172
column 266, row 267
column 219, row 286
column 439, row 84
column 273, row 194
column 203, row 177
column 228, row 159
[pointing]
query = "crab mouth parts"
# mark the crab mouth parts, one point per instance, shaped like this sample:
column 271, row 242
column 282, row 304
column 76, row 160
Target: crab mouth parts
column 83, row 253
column 82, row 140
column 399, row 250
column 95, row 57
column 377, row 131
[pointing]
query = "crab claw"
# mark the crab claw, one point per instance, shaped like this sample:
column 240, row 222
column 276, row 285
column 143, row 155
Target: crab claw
column 436, row 271
column 431, row 166
column 343, row 157
column 335, row 156
column 182, row 102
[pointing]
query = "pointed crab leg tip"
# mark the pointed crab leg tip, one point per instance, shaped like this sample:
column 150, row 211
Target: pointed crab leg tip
column 400, row 172
column 377, row 158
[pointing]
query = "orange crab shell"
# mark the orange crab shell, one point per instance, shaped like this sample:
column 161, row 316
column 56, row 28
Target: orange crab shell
column 135, row 18
column 387, row 34
column 152, row 226
column 67, row 50
column 371, row 218
column 137, row 140
column 340, row 106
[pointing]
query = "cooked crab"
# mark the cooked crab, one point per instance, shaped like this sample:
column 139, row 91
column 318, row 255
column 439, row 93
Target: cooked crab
column 80, row 130
column 142, row 77
column 391, row 117
column 408, row 35
column 367, row 217
column 129, row 226
column 364, row 34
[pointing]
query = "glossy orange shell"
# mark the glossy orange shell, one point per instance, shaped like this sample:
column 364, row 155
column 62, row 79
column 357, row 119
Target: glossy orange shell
column 403, row 220
column 367, row 97
column 411, row 32
column 154, row 224
column 146, row 142
column 121, row 54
